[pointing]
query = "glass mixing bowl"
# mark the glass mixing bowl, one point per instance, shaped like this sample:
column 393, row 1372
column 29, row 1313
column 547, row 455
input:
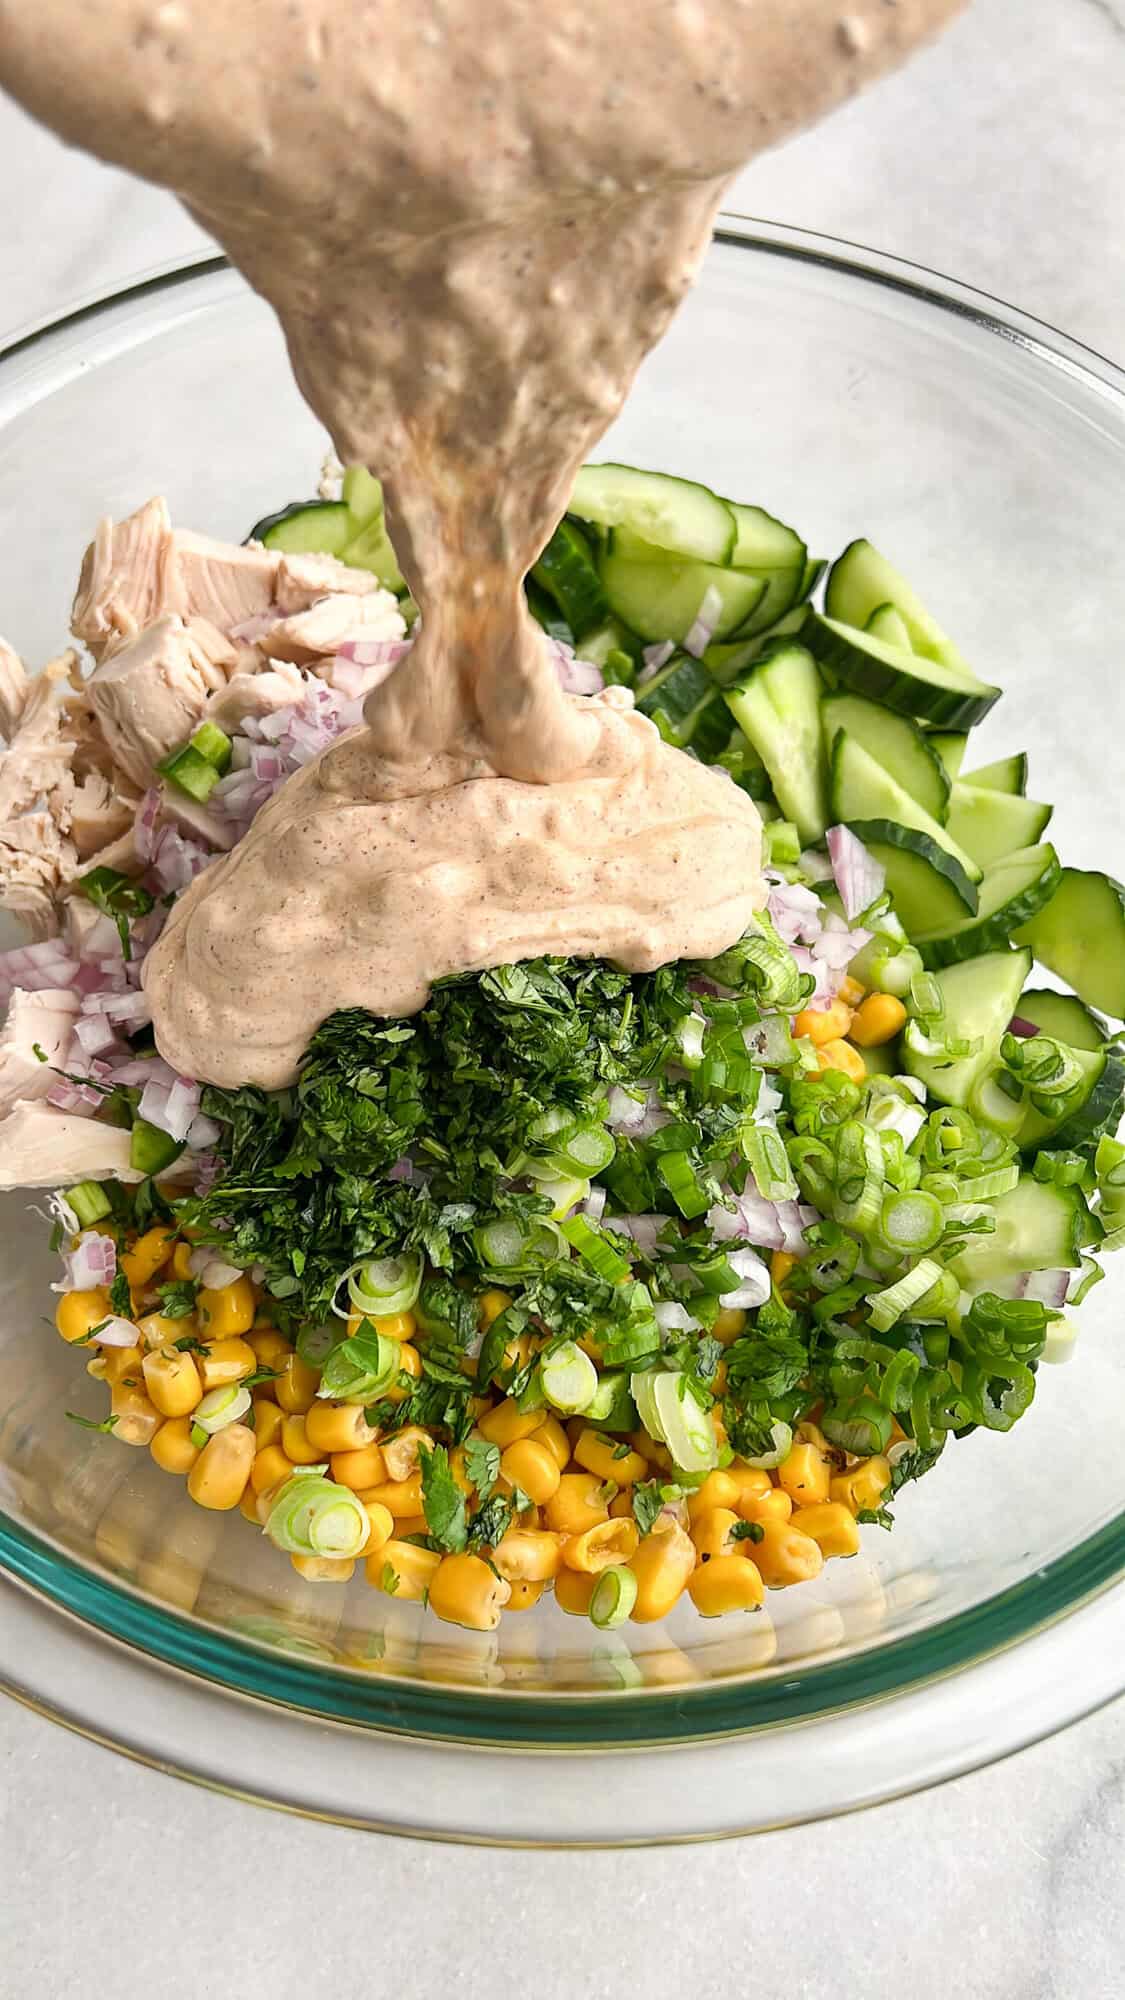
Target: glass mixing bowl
column 851, row 395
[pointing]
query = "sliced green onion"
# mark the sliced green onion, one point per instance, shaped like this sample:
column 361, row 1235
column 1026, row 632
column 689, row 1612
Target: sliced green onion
column 89, row 1202
column 1090, row 1273
column 586, row 1151
column 862, row 1427
column 994, row 1105
column 782, row 1444
column 313, row 1516
column 561, row 1190
column 569, row 1379
column 690, row 1036
column 770, row 1042
column 886, row 1307
column 679, row 1177
column 925, row 997
column 611, row 1405
column 911, row 1223
column 897, row 1386
column 595, row 1250
column 315, row 1344
column 768, row 1161
column 1006, row 1391
column 783, row 843
column 612, row 1598
column 198, row 1436
column 685, row 1426
column 642, row 1386
column 887, row 965
column 860, row 1176
column 382, row 1286
column 360, row 1369
column 508, row 1245
column 990, row 1186
column 1060, row 1340
column 1109, row 1163
column 221, row 1407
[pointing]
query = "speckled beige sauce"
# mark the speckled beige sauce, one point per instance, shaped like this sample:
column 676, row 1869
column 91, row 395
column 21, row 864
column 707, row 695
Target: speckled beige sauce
column 473, row 219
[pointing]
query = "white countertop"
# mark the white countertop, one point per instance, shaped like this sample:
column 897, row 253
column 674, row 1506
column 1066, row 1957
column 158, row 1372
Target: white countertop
column 999, row 157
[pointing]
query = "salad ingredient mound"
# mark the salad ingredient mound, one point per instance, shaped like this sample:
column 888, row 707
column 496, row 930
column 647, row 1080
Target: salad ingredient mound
column 618, row 1284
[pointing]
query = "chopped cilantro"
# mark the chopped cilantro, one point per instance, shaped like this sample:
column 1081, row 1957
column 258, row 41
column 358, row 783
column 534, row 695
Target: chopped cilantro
column 117, row 897
column 747, row 1531
column 388, row 1579
column 177, row 1298
column 443, row 1502
column 120, row 1297
column 648, row 1499
column 482, row 1464
column 88, row 1424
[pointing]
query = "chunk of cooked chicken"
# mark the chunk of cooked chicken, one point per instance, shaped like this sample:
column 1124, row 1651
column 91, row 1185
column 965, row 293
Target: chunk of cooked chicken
column 318, row 632
column 220, row 581
column 14, row 684
column 302, row 579
column 37, row 861
column 278, row 684
column 150, row 694
column 34, row 1020
column 121, row 586
column 42, row 1147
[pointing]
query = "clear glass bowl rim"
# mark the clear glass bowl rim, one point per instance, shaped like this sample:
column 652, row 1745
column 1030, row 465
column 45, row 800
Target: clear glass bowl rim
column 402, row 1706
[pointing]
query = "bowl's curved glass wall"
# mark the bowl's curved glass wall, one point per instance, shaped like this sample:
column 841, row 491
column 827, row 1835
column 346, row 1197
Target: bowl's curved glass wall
column 845, row 398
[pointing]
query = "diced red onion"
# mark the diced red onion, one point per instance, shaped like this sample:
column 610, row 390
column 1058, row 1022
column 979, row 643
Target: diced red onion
column 210, row 1270
column 403, row 1169
column 774, row 1225
column 837, row 945
column 154, row 1106
column 180, row 1107
column 145, row 824
column 94, row 1034
column 655, row 657
column 1048, row 1287
column 593, row 1207
column 91, row 1264
column 208, row 1167
column 37, row 968
column 373, row 652
column 60, row 1211
column 77, row 1098
column 858, row 876
column 116, row 1333
column 139, row 1071
column 127, row 1009
column 701, row 631
column 1025, row 1029
column 671, row 1317
column 203, row 1132
column 755, row 1287
column 637, row 1116
column 643, row 1229
column 177, row 860
column 575, row 676
column 795, row 912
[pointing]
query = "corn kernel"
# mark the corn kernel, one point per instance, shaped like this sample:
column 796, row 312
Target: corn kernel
column 171, row 1447
column 324, row 1569
column 610, row 1543
column 730, row 1582
column 524, row 1594
column 662, row 1566
column 295, row 1443
column 842, row 1056
column 775, row 1505
column 172, row 1381
column 573, row 1591
column 530, row 1553
column 785, row 1555
column 225, row 1361
column 464, row 1590
column 823, row 1024
column 268, row 1422
column 831, row 1526
column 579, row 1503
column 781, row 1263
column 878, row 1020
column 403, row 1497
column 271, row 1465
column 381, row 1525
column 409, row 1363
column 333, row 1427
column 77, row 1313
column 358, row 1469
column 729, row 1323
column 226, row 1312
column 711, row 1532
column 719, row 1489
column 610, row 1458
column 400, row 1452
column 218, row 1478
column 270, row 1348
column 392, row 1326
column 491, row 1304
column 144, row 1259
column 552, row 1434
column 532, row 1467
column 137, row 1419
column 851, row 991
column 295, row 1386
column 507, row 1424
column 402, row 1569
column 804, row 1474
column 863, row 1486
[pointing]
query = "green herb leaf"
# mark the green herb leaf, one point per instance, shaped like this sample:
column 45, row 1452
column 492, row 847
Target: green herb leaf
column 482, row 1463
column 120, row 1297
column 747, row 1531
column 87, row 1423
column 177, row 1298
column 443, row 1502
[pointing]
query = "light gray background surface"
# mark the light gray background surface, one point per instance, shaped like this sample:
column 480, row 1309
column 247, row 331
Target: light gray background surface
column 1000, row 157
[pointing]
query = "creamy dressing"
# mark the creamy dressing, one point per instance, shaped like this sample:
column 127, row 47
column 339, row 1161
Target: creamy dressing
column 473, row 220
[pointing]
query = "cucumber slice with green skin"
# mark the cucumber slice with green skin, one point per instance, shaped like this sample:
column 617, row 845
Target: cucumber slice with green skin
column 887, row 623
column 861, row 791
column 895, row 742
column 861, row 580
column 990, row 825
column 882, row 1061
column 546, row 612
column 1010, row 894
column 708, row 731
column 675, row 514
column 566, row 569
column 951, row 745
column 926, row 689
column 924, row 883
column 660, row 597
column 1064, row 1018
column 776, row 704
column 762, row 543
column 371, row 549
column 1038, row 1228
column 612, row 637
column 782, row 591
column 815, row 567
column 1008, row 774
column 1098, row 1113
column 676, row 699
column 307, row 528
column 362, row 495
column 1081, row 937
column 726, row 660
column 980, row 998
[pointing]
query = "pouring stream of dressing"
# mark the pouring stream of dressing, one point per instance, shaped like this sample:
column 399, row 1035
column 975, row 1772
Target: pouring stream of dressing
column 473, row 221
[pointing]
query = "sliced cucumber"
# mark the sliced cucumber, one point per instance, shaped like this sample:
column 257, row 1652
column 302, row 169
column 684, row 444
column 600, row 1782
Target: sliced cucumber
column 1097, row 1111
column 887, row 623
column 926, row 689
column 371, row 549
column 1010, row 894
column 308, row 527
column 660, row 596
column 776, row 704
column 1064, row 1018
column 546, row 612
column 979, row 998
column 678, row 697
column 882, row 1061
column 1008, row 774
column 606, row 639
column 762, row 543
column 896, row 743
column 1038, row 1228
column 566, row 569
column 362, row 495
column 862, row 580
column 1081, row 937
column 950, row 745
column 991, row 824
column 860, row 790
column 925, row 884
column 815, row 567
column 727, row 659
column 674, row 514
column 782, row 592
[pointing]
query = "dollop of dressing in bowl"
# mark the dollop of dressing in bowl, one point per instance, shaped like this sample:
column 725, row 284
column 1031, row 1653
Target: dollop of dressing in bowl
column 473, row 222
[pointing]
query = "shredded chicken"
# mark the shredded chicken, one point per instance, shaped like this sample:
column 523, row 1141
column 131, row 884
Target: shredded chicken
column 14, row 684
column 40, row 1021
column 39, row 1147
column 37, row 862
column 38, row 758
column 277, row 684
column 120, row 589
column 150, row 694
column 301, row 580
column 318, row 632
